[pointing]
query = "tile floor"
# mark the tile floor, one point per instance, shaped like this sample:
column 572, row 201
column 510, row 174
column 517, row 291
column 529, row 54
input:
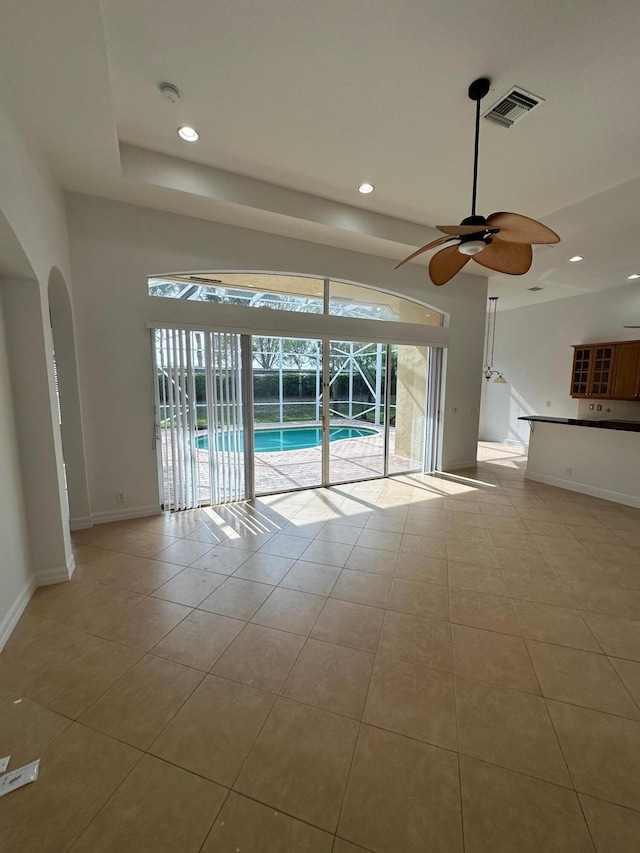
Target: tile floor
column 418, row 664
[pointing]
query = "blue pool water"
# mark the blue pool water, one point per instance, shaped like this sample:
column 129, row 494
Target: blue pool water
column 292, row 438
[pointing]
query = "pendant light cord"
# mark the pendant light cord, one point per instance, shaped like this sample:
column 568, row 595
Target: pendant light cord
column 493, row 338
column 490, row 333
column 486, row 339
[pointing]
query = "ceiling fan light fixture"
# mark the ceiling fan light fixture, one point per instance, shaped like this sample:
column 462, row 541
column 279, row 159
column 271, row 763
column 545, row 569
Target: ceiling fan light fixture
column 510, row 253
column 472, row 247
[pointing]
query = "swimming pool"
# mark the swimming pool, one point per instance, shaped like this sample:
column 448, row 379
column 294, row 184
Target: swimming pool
column 290, row 438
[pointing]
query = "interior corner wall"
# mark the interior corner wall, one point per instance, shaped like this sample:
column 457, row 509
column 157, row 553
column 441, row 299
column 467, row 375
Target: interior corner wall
column 37, row 434
column 115, row 247
column 534, row 351
column 16, row 575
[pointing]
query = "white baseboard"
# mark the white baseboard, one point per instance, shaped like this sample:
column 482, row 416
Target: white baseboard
column 511, row 442
column 469, row 463
column 57, row 574
column 123, row 514
column 583, row 488
column 15, row 612
column 71, row 565
column 81, row 522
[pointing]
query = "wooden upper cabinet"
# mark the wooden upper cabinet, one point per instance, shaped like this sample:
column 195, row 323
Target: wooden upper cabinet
column 608, row 370
column 593, row 366
column 626, row 380
column 581, row 370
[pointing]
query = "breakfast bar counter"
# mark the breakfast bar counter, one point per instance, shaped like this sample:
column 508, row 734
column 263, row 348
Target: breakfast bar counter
column 595, row 457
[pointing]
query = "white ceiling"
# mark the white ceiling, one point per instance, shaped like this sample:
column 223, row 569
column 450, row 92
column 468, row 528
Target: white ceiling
column 309, row 99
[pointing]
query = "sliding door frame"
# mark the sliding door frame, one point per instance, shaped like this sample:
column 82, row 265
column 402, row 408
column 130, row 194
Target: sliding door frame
column 435, row 339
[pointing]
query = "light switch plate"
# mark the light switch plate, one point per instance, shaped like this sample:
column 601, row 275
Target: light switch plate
column 4, row 763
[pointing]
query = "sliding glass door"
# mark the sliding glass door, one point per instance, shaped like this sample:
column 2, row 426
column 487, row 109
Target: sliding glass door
column 356, row 418
column 377, row 409
column 409, row 368
column 200, row 422
column 287, row 413
column 240, row 415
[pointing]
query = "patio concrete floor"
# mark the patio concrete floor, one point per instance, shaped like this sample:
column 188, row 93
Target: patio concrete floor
column 350, row 460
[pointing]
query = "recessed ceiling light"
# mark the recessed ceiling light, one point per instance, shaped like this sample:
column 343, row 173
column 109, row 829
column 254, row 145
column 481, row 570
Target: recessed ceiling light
column 365, row 189
column 189, row 134
column 633, row 276
column 576, row 259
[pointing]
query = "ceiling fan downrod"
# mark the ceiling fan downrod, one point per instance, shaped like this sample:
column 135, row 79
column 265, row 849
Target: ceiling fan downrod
column 477, row 91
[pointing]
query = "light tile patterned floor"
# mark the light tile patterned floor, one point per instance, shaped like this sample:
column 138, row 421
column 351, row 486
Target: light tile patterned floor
column 419, row 664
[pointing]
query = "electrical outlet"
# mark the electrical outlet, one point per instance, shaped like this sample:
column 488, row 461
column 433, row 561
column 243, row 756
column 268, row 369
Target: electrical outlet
column 590, row 407
column 548, row 404
column 121, row 497
column 453, row 410
column 598, row 408
column 567, row 470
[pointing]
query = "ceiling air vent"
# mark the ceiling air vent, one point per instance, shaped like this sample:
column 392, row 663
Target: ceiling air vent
column 535, row 289
column 512, row 107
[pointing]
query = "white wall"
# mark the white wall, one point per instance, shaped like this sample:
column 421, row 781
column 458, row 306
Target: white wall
column 32, row 201
column 15, row 565
column 114, row 247
column 33, row 240
column 534, row 351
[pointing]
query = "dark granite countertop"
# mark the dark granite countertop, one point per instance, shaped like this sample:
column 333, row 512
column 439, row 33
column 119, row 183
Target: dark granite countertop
column 627, row 426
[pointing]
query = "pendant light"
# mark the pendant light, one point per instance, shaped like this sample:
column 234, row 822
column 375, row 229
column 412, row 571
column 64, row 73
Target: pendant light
column 489, row 370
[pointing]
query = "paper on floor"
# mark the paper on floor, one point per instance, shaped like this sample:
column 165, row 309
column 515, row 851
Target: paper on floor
column 17, row 778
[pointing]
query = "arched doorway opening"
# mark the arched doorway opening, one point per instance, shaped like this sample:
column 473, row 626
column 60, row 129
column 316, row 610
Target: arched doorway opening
column 68, row 401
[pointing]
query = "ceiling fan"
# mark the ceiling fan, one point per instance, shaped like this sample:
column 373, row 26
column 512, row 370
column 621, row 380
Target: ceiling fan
column 501, row 242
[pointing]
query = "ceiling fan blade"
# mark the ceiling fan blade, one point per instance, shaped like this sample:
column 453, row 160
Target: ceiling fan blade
column 515, row 228
column 426, row 248
column 631, row 327
column 445, row 264
column 460, row 230
column 509, row 258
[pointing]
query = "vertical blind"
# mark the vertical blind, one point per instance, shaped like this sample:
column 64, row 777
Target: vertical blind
column 199, row 417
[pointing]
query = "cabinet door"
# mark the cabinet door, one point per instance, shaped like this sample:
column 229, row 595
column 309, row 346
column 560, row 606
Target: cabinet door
column 627, row 372
column 601, row 377
column 580, row 375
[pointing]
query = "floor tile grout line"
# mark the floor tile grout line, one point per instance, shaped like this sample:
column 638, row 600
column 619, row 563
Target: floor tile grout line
column 112, row 794
column 277, row 697
column 462, row 832
column 215, row 817
column 564, row 756
column 587, row 824
column 302, row 647
column 360, row 721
